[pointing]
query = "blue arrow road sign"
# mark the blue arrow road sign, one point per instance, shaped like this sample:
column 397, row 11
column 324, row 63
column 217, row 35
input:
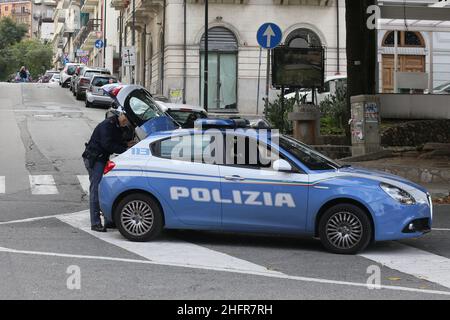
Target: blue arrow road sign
column 99, row 44
column 269, row 35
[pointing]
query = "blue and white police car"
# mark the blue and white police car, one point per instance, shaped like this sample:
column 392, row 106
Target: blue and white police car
column 166, row 181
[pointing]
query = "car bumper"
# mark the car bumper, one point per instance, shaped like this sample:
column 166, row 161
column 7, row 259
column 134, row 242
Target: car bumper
column 98, row 99
column 396, row 221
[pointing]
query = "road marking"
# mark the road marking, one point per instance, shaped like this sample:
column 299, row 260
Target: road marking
column 268, row 274
column 168, row 252
column 43, row 185
column 38, row 218
column 440, row 229
column 416, row 262
column 84, row 182
column 2, row 185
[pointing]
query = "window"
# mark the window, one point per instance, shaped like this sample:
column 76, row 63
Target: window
column 101, row 81
column 405, row 39
column 303, row 38
column 310, row 158
column 142, row 105
column 190, row 148
column 222, row 67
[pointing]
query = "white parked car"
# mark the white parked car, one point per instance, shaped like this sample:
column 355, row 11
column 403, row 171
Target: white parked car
column 67, row 73
column 330, row 85
column 55, row 78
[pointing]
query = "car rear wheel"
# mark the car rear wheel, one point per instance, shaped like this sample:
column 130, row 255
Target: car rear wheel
column 345, row 229
column 138, row 217
column 78, row 95
column 88, row 104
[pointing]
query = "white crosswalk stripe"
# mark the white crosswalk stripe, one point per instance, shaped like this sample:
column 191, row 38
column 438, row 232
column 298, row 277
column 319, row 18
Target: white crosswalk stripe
column 2, row 184
column 84, row 182
column 43, row 185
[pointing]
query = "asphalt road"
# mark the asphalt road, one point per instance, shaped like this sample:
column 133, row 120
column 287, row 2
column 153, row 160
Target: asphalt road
column 48, row 252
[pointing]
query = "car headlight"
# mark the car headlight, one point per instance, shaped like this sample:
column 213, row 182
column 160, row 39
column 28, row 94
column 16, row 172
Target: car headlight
column 398, row 194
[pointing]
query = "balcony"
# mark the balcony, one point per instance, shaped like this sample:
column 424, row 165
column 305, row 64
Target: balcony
column 120, row 4
column 322, row 3
column 20, row 11
column 88, row 6
column 50, row 3
column 86, row 37
column 145, row 10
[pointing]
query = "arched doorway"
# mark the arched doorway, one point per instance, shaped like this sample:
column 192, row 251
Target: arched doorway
column 408, row 60
column 222, row 67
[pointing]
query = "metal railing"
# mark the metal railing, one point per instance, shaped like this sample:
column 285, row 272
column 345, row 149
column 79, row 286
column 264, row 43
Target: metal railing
column 93, row 25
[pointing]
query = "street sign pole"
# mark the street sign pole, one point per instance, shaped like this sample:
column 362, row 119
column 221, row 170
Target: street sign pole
column 266, row 105
column 259, row 81
column 133, row 38
column 269, row 36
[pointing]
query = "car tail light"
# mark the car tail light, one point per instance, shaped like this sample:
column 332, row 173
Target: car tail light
column 116, row 90
column 108, row 167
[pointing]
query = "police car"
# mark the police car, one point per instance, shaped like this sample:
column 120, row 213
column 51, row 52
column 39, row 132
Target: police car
column 207, row 178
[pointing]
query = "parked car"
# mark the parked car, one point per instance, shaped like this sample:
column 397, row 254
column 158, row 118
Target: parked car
column 95, row 96
column 67, row 73
column 55, row 78
column 48, row 76
column 75, row 76
column 329, row 88
column 84, row 79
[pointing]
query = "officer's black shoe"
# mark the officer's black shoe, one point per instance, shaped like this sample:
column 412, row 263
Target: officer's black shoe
column 98, row 228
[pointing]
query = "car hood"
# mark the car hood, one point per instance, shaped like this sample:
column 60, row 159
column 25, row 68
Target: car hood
column 382, row 176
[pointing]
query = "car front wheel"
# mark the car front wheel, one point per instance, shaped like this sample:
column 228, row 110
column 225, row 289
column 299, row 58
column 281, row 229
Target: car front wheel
column 138, row 217
column 345, row 229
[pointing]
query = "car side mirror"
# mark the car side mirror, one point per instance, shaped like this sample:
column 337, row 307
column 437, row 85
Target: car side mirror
column 282, row 166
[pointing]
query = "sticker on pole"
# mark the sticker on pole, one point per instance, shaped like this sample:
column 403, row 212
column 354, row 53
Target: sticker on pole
column 269, row 35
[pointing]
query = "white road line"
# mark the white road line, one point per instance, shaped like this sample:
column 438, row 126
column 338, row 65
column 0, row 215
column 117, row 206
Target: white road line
column 440, row 229
column 267, row 274
column 43, row 185
column 38, row 218
column 168, row 252
column 416, row 262
column 2, row 185
column 84, row 182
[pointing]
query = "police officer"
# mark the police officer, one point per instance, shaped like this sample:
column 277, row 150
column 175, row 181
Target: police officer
column 108, row 138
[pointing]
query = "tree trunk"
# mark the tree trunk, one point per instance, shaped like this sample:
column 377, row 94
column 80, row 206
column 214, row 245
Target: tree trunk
column 361, row 52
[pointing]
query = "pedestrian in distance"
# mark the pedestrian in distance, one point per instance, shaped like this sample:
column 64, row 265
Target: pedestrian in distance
column 23, row 74
column 107, row 139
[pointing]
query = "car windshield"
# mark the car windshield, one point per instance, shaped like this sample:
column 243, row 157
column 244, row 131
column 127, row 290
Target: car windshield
column 310, row 158
column 101, row 81
column 186, row 118
column 143, row 106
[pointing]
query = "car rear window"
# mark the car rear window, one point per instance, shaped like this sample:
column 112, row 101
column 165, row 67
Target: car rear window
column 101, row 81
column 71, row 70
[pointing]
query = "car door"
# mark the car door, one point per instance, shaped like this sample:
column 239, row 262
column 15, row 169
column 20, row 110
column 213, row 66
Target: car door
column 189, row 185
column 255, row 197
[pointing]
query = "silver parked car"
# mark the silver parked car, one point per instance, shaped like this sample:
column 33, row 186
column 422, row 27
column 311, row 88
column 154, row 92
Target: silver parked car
column 95, row 96
column 84, row 79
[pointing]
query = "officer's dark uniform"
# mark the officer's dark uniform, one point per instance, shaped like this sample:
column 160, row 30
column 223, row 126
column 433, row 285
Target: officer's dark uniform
column 106, row 139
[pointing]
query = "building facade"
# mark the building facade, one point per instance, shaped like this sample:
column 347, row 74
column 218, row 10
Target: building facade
column 43, row 24
column 423, row 47
column 169, row 41
column 19, row 11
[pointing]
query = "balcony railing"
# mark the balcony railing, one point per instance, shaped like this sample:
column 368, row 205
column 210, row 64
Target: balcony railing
column 87, row 34
column 20, row 11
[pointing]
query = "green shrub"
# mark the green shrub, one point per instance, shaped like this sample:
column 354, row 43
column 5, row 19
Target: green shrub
column 277, row 114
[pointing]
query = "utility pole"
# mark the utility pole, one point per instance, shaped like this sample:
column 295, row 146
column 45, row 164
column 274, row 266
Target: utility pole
column 104, row 35
column 205, row 75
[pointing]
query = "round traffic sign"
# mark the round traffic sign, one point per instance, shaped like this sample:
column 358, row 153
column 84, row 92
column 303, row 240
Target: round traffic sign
column 269, row 35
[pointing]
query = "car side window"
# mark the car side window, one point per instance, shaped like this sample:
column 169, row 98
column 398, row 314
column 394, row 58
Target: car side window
column 189, row 148
column 246, row 152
